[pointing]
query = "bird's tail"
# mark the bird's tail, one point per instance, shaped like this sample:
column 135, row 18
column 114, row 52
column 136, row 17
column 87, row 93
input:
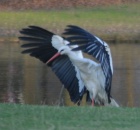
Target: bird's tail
column 113, row 103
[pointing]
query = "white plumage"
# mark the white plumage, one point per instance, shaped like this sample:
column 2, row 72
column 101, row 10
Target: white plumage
column 64, row 55
column 91, row 75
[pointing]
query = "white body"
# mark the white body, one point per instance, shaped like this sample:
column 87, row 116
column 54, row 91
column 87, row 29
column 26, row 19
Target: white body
column 92, row 76
column 90, row 73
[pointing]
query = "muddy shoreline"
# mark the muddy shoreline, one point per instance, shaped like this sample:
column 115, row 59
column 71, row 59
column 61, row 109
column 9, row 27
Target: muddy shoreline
column 12, row 35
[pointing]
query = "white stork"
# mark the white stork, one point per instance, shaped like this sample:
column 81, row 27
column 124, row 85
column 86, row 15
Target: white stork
column 78, row 74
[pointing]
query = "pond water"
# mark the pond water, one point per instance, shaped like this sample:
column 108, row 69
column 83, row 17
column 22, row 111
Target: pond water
column 24, row 79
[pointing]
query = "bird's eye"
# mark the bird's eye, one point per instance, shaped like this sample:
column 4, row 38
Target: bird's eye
column 61, row 50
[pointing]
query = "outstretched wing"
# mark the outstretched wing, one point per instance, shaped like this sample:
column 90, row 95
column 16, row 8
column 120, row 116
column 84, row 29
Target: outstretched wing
column 37, row 43
column 94, row 46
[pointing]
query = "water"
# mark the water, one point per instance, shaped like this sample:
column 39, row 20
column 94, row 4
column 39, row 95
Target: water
column 126, row 81
column 24, row 79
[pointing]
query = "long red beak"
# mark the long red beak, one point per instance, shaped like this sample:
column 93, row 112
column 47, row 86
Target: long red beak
column 55, row 56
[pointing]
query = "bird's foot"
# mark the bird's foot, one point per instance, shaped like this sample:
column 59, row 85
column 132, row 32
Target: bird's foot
column 93, row 102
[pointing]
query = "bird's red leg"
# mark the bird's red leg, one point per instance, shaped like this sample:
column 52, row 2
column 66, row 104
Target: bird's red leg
column 93, row 102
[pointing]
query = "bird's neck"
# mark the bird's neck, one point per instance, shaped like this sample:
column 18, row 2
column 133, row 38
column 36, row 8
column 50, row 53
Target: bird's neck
column 73, row 56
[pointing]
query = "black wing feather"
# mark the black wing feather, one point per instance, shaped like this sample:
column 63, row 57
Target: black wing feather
column 94, row 46
column 32, row 39
column 38, row 44
column 69, row 78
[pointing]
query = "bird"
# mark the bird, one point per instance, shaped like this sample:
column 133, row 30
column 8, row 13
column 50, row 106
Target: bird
column 64, row 55
column 37, row 42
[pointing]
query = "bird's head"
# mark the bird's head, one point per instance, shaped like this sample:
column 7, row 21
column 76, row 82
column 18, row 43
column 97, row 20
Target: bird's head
column 64, row 50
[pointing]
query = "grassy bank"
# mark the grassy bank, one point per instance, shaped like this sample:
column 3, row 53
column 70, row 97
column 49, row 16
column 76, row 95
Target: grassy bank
column 113, row 22
column 28, row 117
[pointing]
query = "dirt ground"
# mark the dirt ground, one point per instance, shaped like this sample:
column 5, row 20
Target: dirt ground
column 56, row 4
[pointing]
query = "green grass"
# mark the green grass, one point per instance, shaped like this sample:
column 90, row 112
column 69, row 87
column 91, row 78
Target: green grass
column 98, row 16
column 119, row 21
column 29, row 117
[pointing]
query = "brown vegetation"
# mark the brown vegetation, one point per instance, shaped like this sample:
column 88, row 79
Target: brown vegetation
column 56, row 4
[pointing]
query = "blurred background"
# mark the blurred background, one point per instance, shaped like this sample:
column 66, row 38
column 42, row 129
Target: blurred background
column 26, row 80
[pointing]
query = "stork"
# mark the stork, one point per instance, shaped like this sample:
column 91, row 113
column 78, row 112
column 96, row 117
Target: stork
column 78, row 74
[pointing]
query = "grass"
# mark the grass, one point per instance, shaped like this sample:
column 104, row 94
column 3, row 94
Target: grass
column 31, row 117
column 119, row 21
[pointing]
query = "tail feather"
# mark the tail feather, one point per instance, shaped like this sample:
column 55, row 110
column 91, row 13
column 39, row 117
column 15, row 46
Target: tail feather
column 113, row 103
